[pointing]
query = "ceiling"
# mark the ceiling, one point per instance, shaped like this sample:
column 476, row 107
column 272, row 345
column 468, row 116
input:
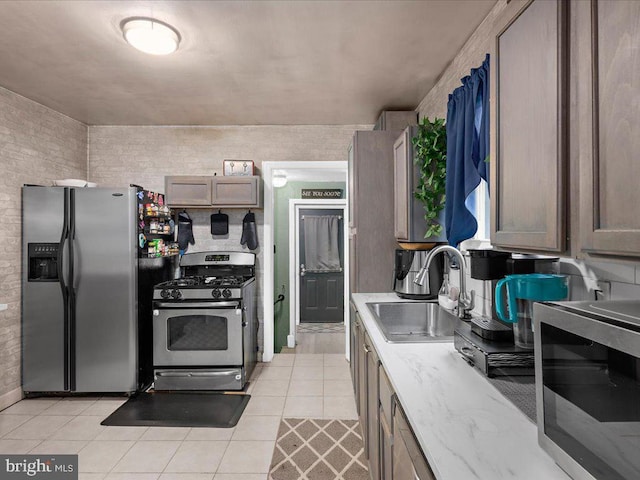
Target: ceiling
column 239, row 63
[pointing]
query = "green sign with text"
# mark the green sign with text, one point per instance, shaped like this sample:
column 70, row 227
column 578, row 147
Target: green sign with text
column 321, row 193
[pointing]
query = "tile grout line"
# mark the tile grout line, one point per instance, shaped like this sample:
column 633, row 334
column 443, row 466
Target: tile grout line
column 174, row 453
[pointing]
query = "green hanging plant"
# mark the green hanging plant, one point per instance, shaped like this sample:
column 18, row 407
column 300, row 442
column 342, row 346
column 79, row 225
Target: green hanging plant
column 430, row 154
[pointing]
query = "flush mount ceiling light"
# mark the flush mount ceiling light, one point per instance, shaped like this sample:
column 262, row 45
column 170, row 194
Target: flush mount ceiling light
column 279, row 180
column 150, row 36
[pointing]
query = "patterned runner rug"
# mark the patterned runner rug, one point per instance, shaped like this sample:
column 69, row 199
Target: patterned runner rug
column 320, row 328
column 309, row 449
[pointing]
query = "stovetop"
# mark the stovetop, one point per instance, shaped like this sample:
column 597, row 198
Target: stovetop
column 201, row 288
column 204, row 282
column 209, row 276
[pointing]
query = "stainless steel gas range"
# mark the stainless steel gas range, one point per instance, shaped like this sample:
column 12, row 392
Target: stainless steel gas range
column 205, row 326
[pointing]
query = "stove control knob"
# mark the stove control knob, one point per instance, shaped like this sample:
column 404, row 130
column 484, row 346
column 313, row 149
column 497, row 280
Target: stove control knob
column 164, row 293
column 176, row 294
column 226, row 293
column 215, row 293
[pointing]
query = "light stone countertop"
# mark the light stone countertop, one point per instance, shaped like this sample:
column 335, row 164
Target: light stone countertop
column 467, row 429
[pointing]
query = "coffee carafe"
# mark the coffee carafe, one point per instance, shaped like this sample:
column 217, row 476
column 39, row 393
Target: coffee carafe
column 407, row 265
column 522, row 292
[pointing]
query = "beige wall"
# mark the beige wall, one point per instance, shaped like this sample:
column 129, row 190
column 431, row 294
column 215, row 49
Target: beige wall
column 434, row 104
column 144, row 155
column 37, row 145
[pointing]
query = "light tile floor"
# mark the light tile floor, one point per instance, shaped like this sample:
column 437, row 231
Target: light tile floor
column 292, row 385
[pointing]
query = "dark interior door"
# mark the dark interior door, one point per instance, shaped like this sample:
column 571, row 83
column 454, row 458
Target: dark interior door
column 321, row 271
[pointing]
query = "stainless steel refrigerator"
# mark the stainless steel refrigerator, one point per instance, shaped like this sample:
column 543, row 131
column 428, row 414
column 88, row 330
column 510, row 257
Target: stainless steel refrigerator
column 86, row 294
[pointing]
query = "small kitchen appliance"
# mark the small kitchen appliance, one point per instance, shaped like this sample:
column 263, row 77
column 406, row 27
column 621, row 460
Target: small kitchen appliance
column 407, row 265
column 587, row 357
column 488, row 343
column 205, row 326
column 522, row 291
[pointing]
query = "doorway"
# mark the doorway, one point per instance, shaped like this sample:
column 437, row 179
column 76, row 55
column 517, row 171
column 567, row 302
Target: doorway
column 320, row 272
column 323, row 171
column 317, row 275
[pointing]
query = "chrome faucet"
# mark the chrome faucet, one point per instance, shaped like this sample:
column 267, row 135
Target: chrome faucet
column 465, row 300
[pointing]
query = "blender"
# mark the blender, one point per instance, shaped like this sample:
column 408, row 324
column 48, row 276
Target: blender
column 522, row 291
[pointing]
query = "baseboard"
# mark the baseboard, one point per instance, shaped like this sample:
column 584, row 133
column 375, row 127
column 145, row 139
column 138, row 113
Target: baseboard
column 10, row 398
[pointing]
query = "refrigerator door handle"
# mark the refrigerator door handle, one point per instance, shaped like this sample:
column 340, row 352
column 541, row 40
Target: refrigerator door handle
column 72, row 235
column 64, row 236
column 71, row 333
column 63, row 286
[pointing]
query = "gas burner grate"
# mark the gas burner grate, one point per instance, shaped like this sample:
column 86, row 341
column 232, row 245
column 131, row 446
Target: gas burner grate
column 228, row 281
column 185, row 282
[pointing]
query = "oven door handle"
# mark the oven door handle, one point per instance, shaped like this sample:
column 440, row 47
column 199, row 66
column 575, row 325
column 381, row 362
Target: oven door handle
column 208, row 305
column 190, row 373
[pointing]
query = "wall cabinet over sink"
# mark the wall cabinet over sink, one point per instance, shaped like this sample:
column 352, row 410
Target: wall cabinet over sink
column 213, row 191
column 548, row 139
column 528, row 126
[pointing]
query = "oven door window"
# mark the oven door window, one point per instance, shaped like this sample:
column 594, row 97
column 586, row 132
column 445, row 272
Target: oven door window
column 197, row 333
column 591, row 396
column 200, row 337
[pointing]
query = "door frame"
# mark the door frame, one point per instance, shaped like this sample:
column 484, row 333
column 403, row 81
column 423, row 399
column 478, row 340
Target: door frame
column 295, row 205
column 268, row 171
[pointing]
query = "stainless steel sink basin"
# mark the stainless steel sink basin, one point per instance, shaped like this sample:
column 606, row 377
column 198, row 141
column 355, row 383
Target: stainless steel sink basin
column 413, row 322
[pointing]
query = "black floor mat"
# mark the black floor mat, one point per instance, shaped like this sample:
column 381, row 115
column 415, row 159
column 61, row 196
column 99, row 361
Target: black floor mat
column 180, row 409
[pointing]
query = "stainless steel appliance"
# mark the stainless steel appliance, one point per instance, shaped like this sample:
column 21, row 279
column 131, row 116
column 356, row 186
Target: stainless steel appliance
column 86, row 292
column 587, row 358
column 205, row 326
column 407, row 265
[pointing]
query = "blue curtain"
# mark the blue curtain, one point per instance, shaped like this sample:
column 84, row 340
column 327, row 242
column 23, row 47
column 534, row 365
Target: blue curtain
column 467, row 151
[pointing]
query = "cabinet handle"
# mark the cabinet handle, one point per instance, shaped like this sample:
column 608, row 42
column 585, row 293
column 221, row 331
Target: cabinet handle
column 366, row 348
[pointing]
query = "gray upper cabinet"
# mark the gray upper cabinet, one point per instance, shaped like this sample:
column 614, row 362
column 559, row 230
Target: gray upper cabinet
column 529, row 127
column 235, row 191
column 371, row 212
column 401, row 186
column 409, row 223
column 608, row 79
column 216, row 191
column 188, row 191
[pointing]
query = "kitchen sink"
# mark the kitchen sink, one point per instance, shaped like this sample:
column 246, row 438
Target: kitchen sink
column 414, row 322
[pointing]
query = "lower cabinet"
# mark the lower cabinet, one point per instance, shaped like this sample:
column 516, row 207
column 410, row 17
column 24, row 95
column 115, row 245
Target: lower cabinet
column 361, row 384
column 389, row 443
column 373, row 409
column 408, row 461
column 386, row 425
column 353, row 357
